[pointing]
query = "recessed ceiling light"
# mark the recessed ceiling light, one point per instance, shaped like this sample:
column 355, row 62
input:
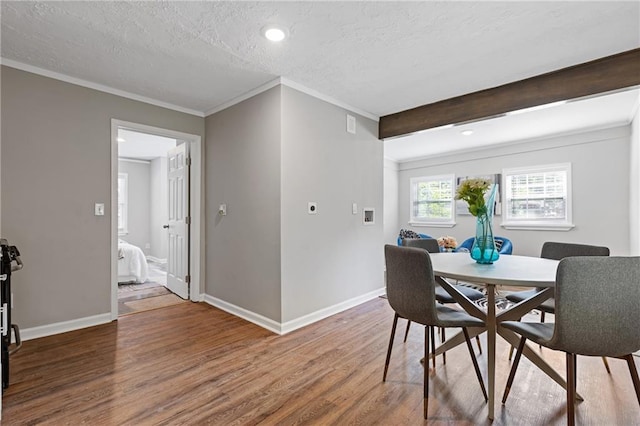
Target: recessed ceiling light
column 122, row 140
column 274, row 33
column 466, row 132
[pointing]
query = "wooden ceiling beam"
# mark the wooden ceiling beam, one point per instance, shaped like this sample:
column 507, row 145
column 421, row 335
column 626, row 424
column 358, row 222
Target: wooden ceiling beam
column 599, row 76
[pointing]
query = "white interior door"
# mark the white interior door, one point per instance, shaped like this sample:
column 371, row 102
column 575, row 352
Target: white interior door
column 179, row 218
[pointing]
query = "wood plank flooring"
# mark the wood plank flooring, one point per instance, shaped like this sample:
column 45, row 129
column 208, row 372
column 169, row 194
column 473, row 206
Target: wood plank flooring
column 194, row 364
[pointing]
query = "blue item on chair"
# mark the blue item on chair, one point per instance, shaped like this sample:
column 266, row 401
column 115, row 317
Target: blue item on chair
column 404, row 233
column 503, row 245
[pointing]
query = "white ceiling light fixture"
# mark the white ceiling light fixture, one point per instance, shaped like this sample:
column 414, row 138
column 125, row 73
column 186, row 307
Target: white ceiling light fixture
column 467, row 132
column 274, row 33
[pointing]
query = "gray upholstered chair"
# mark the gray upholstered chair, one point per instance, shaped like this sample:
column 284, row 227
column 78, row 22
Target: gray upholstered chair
column 596, row 314
column 557, row 251
column 411, row 293
column 442, row 296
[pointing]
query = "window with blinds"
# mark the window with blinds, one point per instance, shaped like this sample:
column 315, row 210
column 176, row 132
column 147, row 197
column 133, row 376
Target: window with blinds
column 432, row 200
column 538, row 197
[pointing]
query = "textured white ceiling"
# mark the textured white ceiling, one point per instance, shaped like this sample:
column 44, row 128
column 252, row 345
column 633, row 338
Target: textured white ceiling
column 143, row 146
column 379, row 57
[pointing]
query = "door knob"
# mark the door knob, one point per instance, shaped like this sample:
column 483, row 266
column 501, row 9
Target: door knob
column 165, row 226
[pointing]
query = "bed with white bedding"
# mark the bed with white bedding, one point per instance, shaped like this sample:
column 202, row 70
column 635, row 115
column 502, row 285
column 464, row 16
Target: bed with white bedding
column 132, row 263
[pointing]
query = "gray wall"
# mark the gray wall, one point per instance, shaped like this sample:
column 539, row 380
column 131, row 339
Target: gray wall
column 390, row 177
column 329, row 257
column 138, row 202
column 159, row 209
column 267, row 158
column 56, row 163
column 243, row 171
column 600, row 168
column 634, row 192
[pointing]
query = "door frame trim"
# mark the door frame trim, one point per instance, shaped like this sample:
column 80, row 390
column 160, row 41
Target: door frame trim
column 195, row 206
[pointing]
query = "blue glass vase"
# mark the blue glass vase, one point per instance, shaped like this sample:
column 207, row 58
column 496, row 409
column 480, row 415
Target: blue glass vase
column 484, row 246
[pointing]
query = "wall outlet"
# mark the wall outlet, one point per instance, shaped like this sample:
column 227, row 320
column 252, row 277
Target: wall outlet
column 312, row 207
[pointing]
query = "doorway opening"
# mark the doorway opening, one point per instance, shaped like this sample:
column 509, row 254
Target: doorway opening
column 155, row 222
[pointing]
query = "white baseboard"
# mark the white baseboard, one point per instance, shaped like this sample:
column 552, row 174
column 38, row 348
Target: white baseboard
column 63, row 327
column 289, row 326
column 156, row 260
column 305, row 320
column 257, row 319
column 260, row 320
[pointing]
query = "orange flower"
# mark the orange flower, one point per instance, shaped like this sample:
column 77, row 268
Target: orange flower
column 447, row 242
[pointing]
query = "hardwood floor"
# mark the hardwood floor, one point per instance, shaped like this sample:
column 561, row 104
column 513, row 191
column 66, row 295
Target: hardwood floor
column 194, row 364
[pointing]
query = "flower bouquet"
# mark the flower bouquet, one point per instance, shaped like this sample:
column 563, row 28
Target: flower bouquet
column 480, row 195
column 447, row 243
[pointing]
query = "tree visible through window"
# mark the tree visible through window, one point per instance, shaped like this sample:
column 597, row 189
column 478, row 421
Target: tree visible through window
column 432, row 200
column 538, row 196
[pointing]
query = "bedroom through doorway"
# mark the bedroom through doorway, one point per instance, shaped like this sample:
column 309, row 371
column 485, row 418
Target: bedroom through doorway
column 142, row 218
column 152, row 294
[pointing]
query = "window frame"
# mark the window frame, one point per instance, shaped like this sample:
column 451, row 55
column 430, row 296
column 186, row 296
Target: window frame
column 545, row 224
column 433, row 222
column 124, row 230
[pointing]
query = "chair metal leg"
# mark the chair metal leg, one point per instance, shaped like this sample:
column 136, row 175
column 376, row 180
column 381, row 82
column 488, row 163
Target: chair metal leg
column 478, row 343
column 634, row 375
column 575, row 372
column 571, row 389
column 541, row 320
column 606, row 364
column 511, row 348
column 406, row 333
column 514, row 367
column 433, row 345
column 442, row 340
column 393, row 334
column 426, row 371
column 475, row 363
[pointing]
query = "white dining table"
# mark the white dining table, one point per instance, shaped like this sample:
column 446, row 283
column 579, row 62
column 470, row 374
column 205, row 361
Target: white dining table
column 510, row 270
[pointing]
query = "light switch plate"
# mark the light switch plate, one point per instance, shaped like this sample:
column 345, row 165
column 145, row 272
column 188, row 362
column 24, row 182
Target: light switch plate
column 312, row 207
column 99, row 209
column 351, row 124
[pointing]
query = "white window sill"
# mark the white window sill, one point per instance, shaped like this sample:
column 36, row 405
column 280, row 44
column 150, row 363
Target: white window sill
column 434, row 224
column 529, row 226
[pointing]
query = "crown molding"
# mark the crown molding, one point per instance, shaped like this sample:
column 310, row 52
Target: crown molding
column 134, row 160
column 297, row 86
column 263, row 88
column 95, row 86
column 314, row 93
column 250, row 94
